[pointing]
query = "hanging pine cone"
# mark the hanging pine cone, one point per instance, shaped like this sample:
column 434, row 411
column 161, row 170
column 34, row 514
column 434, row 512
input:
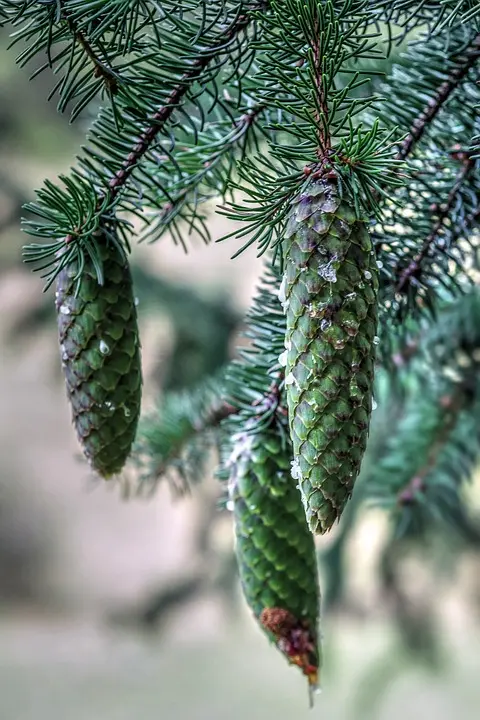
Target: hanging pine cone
column 275, row 550
column 101, row 357
column 329, row 292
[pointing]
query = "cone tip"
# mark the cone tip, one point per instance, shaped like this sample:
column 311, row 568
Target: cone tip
column 313, row 687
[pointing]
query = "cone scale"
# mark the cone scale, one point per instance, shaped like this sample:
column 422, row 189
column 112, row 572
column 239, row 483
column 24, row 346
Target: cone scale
column 275, row 550
column 329, row 294
column 100, row 352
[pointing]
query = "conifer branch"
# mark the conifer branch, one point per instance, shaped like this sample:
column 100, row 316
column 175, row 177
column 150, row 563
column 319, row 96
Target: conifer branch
column 177, row 436
column 466, row 62
column 186, row 188
column 414, row 268
column 164, row 113
column 450, row 407
column 100, row 186
column 100, row 67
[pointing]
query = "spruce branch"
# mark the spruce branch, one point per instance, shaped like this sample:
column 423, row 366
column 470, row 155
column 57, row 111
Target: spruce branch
column 66, row 33
column 309, row 70
column 414, row 268
column 165, row 112
column 436, row 15
column 413, row 275
column 464, row 63
column 101, row 69
column 250, row 390
column 449, row 407
column 74, row 213
column 174, row 440
column 205, row 169
column 431, row 429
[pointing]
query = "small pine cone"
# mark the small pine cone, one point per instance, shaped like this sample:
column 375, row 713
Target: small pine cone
column 329, row 293
column 100, row 351
column 275, row 549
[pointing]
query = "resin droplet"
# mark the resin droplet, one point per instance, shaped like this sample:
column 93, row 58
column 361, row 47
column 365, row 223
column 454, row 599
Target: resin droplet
column 295, row 471
column 104, row 347
column 328, row 272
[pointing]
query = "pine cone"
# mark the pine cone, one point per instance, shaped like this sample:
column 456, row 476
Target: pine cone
column 101, row 357
column 329, row 292
column 275, row 550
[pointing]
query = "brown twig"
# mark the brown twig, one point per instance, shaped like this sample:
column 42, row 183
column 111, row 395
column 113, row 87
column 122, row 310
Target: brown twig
column 100, row 68
column 324, row 140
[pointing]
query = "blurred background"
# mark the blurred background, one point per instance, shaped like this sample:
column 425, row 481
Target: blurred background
column 117, row 607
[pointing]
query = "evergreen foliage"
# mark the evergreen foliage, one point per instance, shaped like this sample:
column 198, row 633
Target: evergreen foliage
column 253, row 105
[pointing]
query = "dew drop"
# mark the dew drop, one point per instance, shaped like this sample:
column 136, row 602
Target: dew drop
column 104, row 347
column 136, row 301
column 374, row 404
column 282, row 358
column 376, row 340
column 110, row 406
column 229, row 505
column 325, row 324
column 65, row 310
column 126, row 412
column 290, row 379
column 379, row 264
column 368, row 275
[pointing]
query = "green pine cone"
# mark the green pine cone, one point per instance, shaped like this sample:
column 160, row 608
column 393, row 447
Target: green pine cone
column 329, row 293
column 275, row 549
column 100, row 351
